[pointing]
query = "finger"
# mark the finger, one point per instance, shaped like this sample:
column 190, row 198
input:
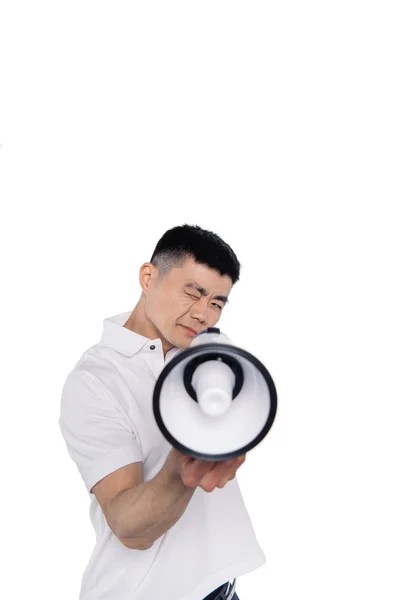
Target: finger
column 195, row 472
column 224, row 471
column 199, row 467
column 223, row 483
column 208, row 475
column 216, row 476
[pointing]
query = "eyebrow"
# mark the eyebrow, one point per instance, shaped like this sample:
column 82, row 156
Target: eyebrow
column 203, row 292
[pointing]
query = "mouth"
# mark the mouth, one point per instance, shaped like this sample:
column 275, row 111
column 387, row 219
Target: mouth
column 190, row 331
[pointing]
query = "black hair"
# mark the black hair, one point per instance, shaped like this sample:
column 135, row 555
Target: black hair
column 191, row 241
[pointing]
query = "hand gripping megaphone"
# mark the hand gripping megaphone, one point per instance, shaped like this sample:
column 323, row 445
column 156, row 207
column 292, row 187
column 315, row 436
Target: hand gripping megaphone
column 214, row 401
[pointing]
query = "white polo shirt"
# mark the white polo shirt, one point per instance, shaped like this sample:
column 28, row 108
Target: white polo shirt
column 107, row 422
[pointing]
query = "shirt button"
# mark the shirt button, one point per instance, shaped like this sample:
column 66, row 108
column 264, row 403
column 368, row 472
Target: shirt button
column 152, row 347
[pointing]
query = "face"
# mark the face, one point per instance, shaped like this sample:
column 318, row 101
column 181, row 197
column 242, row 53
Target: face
column 184, row 302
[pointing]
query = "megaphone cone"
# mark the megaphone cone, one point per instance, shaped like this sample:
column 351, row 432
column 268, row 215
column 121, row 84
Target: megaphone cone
column 214, row 401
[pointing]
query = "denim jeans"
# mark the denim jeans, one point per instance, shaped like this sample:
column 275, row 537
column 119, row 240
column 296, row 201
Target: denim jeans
column 214, row 594
column 234, row 597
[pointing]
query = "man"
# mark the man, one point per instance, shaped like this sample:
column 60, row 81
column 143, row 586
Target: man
column 167, row 527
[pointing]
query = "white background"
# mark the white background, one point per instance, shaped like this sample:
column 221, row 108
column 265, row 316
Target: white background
column 276, row 125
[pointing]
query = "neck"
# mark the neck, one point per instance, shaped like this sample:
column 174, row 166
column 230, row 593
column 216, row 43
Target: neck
column 141, row 324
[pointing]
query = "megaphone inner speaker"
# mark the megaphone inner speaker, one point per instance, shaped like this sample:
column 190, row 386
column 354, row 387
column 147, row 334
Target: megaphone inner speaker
column 195, row 362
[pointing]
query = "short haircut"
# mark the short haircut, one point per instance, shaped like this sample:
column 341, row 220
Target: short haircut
column 191, row 241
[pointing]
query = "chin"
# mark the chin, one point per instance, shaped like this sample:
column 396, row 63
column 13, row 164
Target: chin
column 182, row 343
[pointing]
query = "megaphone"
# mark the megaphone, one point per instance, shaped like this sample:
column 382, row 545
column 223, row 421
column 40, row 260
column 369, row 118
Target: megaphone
column 213, row 400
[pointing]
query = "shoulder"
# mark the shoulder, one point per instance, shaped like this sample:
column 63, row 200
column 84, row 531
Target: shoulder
column 103, row 375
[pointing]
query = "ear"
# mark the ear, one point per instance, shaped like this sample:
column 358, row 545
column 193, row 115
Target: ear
column 147, row 275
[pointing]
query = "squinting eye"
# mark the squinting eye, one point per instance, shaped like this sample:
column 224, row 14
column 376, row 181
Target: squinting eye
column 218, row 306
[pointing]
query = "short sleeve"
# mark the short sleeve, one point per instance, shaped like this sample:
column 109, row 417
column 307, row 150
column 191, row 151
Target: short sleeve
column 97, row 432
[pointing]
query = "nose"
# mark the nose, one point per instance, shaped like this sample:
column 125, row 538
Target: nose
column 199, row 312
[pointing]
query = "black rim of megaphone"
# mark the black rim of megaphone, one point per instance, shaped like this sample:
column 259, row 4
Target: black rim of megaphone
column 211, row 348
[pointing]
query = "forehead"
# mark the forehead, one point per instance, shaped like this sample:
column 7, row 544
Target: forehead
column 211, row 280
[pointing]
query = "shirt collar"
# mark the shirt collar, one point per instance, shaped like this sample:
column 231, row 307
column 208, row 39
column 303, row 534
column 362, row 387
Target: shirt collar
column 129, row 342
